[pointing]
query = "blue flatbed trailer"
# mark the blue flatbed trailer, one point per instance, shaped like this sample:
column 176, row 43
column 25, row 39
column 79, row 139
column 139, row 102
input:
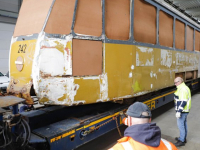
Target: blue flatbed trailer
column 66, row 128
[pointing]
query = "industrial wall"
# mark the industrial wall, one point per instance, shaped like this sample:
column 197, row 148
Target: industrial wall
column 9, row 10
column 6, row 32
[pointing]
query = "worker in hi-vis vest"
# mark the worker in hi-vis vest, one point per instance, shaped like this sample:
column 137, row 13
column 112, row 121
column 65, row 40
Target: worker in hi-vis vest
column 182, row 100
column 141, row 134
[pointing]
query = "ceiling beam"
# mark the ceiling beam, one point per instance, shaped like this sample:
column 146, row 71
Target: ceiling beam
column 193, row 10
column 180, row 1
column 197, row 15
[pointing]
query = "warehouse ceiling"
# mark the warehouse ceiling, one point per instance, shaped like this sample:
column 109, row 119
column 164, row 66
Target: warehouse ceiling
column 190, row 7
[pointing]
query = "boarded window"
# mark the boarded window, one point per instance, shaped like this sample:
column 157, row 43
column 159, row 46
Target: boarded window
column 165, row 29
column 144, row 22
column 89, row 18
column 87, row 57
column 117, row 19
column 61, row 17
column 32, row 17
column 197, row 40
column 190, row 33
column 179, row 35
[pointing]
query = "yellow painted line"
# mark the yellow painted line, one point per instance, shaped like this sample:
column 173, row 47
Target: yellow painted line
column 102, row 119
column 158, row 97
column 79, row 128
column 110, row 116
column 195, row 83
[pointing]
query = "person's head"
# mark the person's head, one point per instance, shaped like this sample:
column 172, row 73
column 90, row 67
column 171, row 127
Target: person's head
column 178, row 81
column 138, row 113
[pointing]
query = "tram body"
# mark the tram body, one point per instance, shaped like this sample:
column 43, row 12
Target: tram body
column 73, row 52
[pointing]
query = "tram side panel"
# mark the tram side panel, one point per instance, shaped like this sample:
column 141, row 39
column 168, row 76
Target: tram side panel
column 75, row 69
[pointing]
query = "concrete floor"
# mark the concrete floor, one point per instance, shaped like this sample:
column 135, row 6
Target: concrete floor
column 168, row 125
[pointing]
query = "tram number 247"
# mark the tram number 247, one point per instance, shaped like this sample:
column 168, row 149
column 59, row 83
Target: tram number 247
column 22, row 48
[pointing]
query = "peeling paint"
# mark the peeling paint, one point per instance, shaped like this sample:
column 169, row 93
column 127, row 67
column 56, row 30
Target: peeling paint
column 180, row 59
column 104, row 87
column 144, row 56
column 153, row 75
column 53, row 58
column 59, row 90
column 146, row 49
column 132, row 67
column 51, row 61
column 141, row 93
column 130, row 75
column 166, row 58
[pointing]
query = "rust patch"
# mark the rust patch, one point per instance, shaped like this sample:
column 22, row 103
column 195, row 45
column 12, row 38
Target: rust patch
column 43, row 75
column 43, row 47
column 20, row 91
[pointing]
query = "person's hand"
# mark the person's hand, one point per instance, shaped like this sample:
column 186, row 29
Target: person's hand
column 178, row 115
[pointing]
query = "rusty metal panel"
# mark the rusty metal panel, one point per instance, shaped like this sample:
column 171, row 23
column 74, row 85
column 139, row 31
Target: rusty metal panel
column 87, row 57
column 88, row 18
column 179, row 35
column 144, row 22
column 60, row 19
column 32, row 17
column 117, row 19
column 6, row 101
column 165, row 29
column 190, row 38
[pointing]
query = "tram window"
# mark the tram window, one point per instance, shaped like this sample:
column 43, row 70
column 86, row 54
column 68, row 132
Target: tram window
column 144, row 22
column 32, row 17
column 117, row 19
column 190, row 33
column 179, row 35
column 86, row 57
column 165, row 29
column 89, row 18
column 197, row 40
column 61, row 17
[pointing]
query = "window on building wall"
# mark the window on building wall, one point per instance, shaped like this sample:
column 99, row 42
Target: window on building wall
column 88, row 18
column 197, row 40
column 61, row 17
column 165, row 29
column 179, row 35
column 144, row 22
column 190, row 38
column 87, row 57
column 117, row 19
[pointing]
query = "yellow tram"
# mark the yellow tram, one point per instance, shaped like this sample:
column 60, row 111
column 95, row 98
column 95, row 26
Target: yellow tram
column 73, row 52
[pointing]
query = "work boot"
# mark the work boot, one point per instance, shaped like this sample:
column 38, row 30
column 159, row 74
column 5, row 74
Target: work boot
column 179, row 143
column 177, row 139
